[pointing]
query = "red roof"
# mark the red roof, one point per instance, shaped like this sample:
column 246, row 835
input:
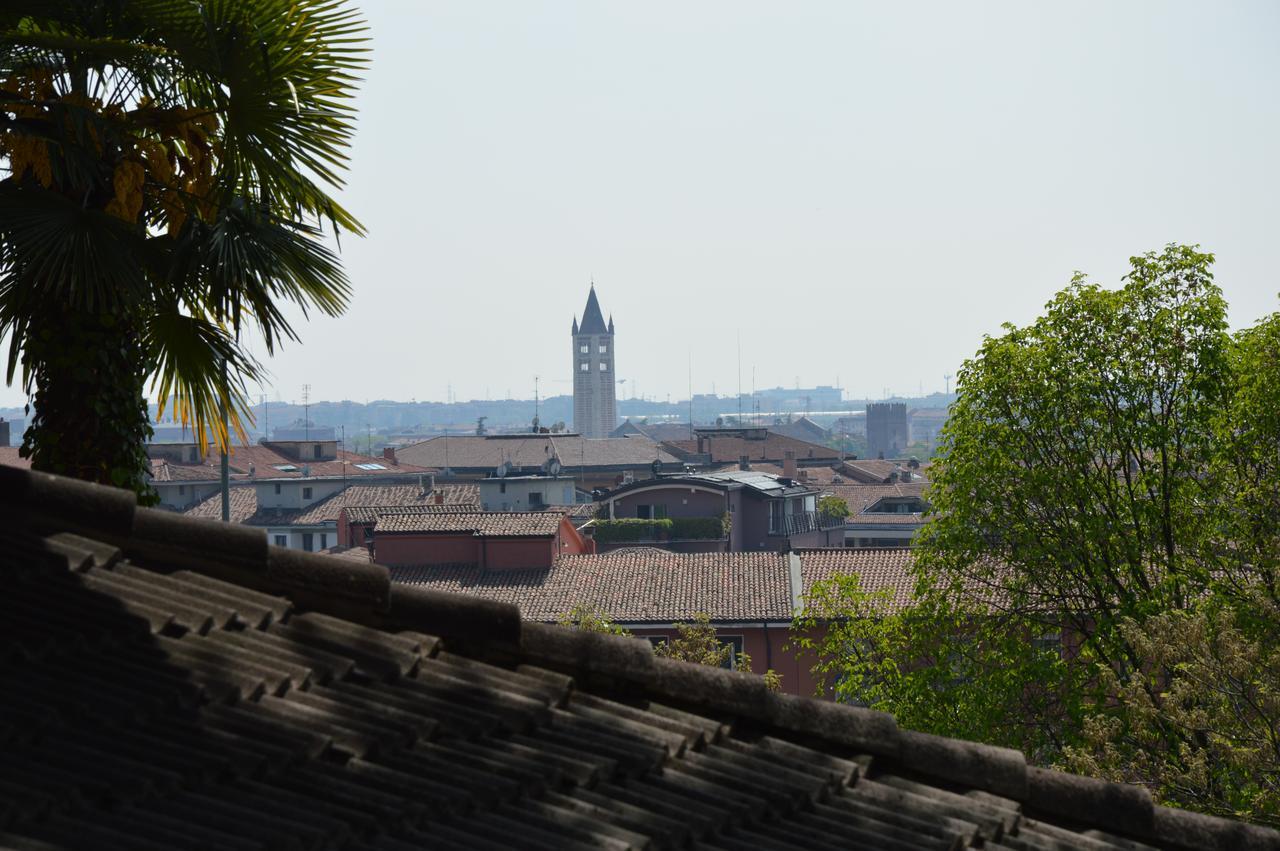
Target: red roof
column 485, row 524
column 633, row 586
column 268, row 463
column 244, row 503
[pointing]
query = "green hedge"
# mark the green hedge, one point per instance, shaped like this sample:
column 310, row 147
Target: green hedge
column 697, row 528
column 673, row 529
column 608, row 531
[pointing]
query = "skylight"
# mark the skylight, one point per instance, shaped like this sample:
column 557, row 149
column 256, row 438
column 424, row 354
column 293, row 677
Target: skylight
column 370, row 467
column 286, row 468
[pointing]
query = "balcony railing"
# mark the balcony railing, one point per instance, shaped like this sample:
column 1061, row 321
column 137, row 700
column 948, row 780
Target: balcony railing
column 805, row 521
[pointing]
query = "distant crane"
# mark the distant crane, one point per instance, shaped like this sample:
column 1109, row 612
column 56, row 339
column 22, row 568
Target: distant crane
column 947, row 378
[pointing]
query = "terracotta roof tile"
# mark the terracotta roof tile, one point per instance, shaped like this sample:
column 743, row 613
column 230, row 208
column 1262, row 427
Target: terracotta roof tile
column 485, row 524
column 861, row 496
column 729, row 449
column 245, row 503
column 879, row 569
column 266, row 463
column 885, row 518
column 635, row 585
column 9, row 457
column 530, row 452
column 179, row 683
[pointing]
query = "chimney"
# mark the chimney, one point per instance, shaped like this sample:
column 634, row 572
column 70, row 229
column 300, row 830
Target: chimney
column 744, row 462
column 439, row 498
column 389, row 453
column 789, row 464
column 4, row 432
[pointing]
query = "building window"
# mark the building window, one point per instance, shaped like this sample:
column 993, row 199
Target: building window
column 734, row 641
column 604, row 367
column 584, row 349
column 277, row 489
column 324, row 540
column 308, row 542
column 182, row 490
column 660, row 512
column 502, row 487
column 316, row 451
column 306, row 493
column 775, row 517
column 535, row 500
column 282, row 540
column 584, row 367
column 644, row 512
column 604, row 350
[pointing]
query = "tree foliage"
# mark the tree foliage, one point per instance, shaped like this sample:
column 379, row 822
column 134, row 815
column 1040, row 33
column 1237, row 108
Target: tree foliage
column 169, row 165
column 697, row 642
column 1108, row 477
column 833, row 506
column 590, row 619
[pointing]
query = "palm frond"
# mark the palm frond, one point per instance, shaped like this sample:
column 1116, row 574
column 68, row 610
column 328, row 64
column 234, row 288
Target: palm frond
column 201, row 370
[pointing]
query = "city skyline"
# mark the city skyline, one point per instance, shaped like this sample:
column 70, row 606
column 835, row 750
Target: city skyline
column 855, row 193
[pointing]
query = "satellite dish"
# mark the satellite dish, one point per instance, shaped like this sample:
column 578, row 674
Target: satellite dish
column 656, row 466
column 503, row 469
column 554, row 467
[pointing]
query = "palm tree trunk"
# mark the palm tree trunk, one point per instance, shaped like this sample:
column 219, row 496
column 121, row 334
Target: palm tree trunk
column 90, row 417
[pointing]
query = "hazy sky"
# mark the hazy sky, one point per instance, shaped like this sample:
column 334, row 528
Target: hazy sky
column 855, row 190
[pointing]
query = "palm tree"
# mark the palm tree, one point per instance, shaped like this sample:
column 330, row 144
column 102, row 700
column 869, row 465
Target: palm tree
column 168, row 169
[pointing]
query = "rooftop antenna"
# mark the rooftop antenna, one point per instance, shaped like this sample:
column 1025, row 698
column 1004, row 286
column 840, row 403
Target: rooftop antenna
column 947, row 378
column 691, row 394
column 306, row 411
column 739, row 376
column 535, row 404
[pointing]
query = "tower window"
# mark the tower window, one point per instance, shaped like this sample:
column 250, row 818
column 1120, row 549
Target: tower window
column 604, row 350
column 604, row 367
column 584, row 366
column 584, row 348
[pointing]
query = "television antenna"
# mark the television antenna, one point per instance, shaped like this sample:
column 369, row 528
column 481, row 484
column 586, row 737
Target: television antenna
column 306, row 411
column 947, row 378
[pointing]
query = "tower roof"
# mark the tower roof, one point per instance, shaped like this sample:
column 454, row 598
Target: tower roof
column 592, row 318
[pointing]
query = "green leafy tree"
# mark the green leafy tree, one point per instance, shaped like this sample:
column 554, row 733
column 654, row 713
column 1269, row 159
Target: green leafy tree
column 168, row 168
column 588, row 618
column 696, row 642
column 833, row 506
column 1107, row 478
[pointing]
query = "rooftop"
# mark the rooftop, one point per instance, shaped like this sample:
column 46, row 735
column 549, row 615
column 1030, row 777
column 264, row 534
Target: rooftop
column 635, row 585
column 482, row 524
column 179, row 682
column 531, row 451
column 729, row 448
column 245, row 509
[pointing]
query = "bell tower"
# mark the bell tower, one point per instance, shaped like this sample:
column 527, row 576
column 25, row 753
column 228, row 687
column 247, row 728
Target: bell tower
column 595, row 410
